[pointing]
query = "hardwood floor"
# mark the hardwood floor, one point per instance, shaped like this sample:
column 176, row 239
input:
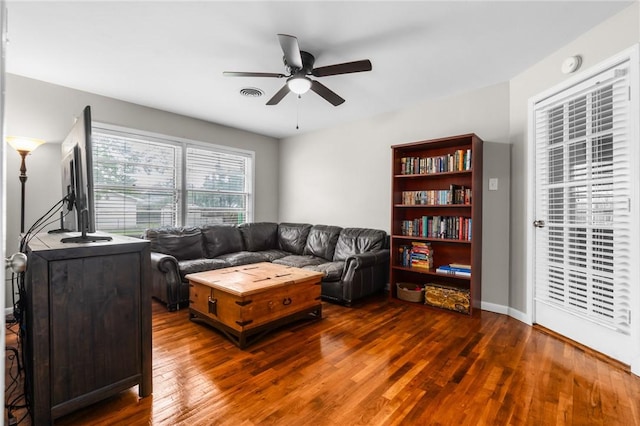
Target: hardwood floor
column 377, row 363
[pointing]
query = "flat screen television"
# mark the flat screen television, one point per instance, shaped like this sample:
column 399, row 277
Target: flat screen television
column 77, row 182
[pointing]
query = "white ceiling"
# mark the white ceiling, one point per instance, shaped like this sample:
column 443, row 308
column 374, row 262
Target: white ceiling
column 170, row 55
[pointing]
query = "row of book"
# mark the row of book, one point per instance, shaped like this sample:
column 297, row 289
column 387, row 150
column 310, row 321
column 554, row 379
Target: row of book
column 456, row 194
column 455, row 269
column 447, row 227
column 420, row 255
column 417, row 255
column 459, row 161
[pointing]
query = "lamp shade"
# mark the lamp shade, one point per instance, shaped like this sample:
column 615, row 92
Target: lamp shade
column 299, row 85
column 24, row 144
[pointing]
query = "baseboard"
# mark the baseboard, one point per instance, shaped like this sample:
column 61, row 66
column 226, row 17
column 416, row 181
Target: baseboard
column 506, row 310
column 635, row 366
column 494, row 307
column 8, row 311
column 520, row 316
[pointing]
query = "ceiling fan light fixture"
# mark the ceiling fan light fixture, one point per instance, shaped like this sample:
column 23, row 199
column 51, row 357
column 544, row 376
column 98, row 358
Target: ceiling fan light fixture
column 299, row 85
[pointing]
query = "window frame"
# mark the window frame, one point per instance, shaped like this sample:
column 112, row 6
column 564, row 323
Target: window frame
column 183, row 144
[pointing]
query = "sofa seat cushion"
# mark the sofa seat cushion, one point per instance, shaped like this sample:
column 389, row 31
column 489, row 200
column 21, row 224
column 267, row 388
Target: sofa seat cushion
column 259, row 236
column 273, row 254
column 221, row 239
column 243, row 258
column 292, row 237
column 321, row 241
column 298, row 261
column 183, row 243
column 332, row 270
column 354, row 241
column 199, row 265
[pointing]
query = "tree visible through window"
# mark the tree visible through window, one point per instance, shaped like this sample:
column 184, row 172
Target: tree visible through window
column 139, row 182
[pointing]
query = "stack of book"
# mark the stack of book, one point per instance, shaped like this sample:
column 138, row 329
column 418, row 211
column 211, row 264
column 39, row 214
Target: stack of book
column 417, row 255
column 421, row 255
column 456, row 269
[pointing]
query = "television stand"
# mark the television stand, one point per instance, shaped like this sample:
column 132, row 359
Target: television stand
column 84, row 238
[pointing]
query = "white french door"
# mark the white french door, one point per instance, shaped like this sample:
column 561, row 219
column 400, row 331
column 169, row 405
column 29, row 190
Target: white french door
column 585, row 270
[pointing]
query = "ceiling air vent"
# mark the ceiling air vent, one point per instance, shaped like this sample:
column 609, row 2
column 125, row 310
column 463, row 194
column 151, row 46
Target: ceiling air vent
column 251, row 92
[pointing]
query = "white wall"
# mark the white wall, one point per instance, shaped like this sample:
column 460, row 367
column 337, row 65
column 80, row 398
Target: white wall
column 47, row 111
column 603, row 41
column 342, row 176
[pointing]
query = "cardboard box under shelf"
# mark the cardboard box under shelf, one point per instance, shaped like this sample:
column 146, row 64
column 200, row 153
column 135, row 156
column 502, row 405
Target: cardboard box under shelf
column 454, row 299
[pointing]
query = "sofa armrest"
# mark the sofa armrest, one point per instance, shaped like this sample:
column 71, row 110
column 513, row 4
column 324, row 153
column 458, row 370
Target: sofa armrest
column 163, row 262
column 165, row 279
column 368, row 258
column 364, row 274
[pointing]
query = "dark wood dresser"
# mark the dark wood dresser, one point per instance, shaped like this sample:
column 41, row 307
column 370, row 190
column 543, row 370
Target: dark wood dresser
column 87, row 322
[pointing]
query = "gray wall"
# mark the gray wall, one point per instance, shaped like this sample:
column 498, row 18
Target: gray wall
column 47, row 111
column 603, row 41
column 342, row 176
column 495, row 227
column 357, row 190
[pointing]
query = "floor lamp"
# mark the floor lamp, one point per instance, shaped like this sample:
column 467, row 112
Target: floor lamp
column 24, row 146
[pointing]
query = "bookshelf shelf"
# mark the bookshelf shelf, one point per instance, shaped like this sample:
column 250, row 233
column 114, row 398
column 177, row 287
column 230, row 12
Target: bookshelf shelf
column 440, row 240
column 430, row 272
column 451, row 192
column 432, row 175
column 432, row 206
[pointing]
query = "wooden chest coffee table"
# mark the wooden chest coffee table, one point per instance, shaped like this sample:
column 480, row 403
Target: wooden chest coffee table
column 246, row 302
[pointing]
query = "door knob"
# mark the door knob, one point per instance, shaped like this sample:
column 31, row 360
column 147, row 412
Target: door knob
column 538, row 223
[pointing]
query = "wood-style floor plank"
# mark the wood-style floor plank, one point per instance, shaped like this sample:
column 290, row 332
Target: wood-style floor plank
column 377, row 363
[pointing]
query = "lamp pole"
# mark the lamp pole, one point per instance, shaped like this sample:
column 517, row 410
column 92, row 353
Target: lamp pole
column 23, row 146
column 23, row 180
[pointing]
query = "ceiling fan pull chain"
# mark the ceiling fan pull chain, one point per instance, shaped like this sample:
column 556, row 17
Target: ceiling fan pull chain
column 298, row 111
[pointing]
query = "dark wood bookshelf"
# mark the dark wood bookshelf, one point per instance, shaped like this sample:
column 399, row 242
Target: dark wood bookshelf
column 445, row 250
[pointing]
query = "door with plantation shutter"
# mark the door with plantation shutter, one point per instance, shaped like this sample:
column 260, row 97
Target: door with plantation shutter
column 585, row 266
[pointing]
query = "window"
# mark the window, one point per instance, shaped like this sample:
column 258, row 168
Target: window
column 145, row 181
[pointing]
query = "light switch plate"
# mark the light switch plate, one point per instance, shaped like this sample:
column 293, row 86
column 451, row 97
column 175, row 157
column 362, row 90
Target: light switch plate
column 493, row 184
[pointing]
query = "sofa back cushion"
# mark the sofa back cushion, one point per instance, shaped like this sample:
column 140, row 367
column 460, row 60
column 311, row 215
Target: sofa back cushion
column 183, row 243
column 259, row 236
column 221, row 239
column 322, row 241
column 354, row 241
column 292, row 237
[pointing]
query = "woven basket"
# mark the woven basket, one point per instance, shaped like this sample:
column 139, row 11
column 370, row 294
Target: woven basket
column 407, row 292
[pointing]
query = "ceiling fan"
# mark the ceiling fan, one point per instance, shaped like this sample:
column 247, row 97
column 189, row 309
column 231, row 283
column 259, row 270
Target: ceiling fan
column 299, row 64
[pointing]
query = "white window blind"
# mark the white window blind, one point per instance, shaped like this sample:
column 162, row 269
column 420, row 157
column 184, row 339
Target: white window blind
column 583, row 191
column 217, row 187
column 143, row 181
column 136, row 182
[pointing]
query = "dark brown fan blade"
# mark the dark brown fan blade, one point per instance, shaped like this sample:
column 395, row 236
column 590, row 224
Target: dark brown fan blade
column 251, row 74
column 346, row 68
column 326, row 93
column 279, row 95
column 291, row 50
